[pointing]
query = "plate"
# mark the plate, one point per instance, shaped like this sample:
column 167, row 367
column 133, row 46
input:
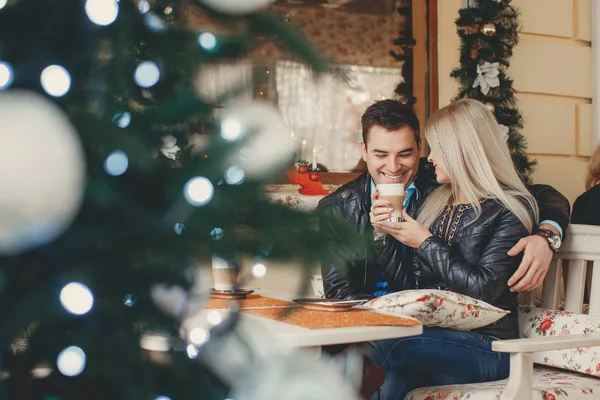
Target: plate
column 236, row 294
column 328, row 304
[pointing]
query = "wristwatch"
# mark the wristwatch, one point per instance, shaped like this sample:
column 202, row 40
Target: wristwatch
column 554, row 240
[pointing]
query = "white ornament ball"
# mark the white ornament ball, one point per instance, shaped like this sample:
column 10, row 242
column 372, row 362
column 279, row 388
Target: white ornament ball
column 268, row 148
column 237, row 7
column 42, row 171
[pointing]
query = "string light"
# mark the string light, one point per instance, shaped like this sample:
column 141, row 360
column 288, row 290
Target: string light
column 71, row 361
column 214, row 317
column 122, row 119
column 116, row 163
column 55, row 80
column 192, row 351
column 143, row 6
column 231, row 129
column 6, row 74
column 198, row 191
column 199, row 336
column 259, row 270
column 102, row 12
column 129, row 300
column 207, row 40
column 179, row 228
column 147, row 74
column 77, row 298
column 234, row 175
column 217, row 234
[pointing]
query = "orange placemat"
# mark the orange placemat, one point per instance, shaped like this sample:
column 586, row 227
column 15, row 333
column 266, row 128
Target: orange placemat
column 326, row 319
column 253, row 300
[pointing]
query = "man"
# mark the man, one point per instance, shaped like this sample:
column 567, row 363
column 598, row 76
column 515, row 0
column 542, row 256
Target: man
column 391, row 149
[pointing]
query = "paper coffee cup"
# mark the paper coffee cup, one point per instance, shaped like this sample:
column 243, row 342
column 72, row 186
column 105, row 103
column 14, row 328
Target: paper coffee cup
column 225, row 274
column 394, row 193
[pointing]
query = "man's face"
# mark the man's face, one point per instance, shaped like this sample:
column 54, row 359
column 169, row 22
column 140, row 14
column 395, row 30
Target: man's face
column 391, row 156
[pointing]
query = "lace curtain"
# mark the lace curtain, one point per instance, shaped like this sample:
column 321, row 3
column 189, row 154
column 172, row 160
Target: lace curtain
column 324, row 111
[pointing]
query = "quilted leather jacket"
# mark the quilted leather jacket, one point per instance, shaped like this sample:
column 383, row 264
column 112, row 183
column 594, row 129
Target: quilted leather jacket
column 349, row 271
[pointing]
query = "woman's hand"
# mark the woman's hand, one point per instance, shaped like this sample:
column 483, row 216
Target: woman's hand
column 380, row 210
column 410, row 232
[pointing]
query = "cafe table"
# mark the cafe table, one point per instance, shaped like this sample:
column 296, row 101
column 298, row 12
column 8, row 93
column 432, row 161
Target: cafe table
column 283, row 319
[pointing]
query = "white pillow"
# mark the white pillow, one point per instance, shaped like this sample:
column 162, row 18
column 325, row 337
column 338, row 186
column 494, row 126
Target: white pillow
column 439, row 308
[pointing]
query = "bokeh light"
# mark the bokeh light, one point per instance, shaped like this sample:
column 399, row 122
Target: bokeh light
column 116, row 163
column 198, row 191
column 129, row 300
column 207, row 41
column 259, row 270
column 55, row 80
column 214, row 317
column 234, row 175
column 146, row 74
column 122, row 119
column 77, row 298
column 231, row 129
column 192, row 351
column 3, row 3
column 143, row 6
column 217, row 234
column 179, row 228
column 199, row 336
column 71, row 361
column 154, row 23
column 102, row 12
column 6, row 74
column 162, row 398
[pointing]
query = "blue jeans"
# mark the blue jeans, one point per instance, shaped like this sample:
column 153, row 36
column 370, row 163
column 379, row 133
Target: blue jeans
column 438, row 357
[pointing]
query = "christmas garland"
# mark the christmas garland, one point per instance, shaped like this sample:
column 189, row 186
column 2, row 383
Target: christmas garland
column 488, row 33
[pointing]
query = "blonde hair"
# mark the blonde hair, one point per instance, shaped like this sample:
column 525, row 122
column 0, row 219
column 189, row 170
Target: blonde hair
column 593, row 176
column 467, row 134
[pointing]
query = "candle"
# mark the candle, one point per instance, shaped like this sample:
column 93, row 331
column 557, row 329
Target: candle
column 302, row 156
column 314, row 160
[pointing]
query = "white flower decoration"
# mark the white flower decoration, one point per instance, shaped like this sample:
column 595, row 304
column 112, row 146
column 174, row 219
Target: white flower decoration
column 487, row 77
column 169, row 147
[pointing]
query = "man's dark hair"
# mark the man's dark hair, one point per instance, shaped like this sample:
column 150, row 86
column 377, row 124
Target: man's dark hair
column 390, row 115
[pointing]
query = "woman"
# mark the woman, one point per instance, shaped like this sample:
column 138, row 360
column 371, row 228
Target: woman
column 461, row 238
column 585, row 209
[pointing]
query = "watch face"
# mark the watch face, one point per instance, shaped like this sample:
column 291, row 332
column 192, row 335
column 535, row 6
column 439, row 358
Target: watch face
column 556, row 242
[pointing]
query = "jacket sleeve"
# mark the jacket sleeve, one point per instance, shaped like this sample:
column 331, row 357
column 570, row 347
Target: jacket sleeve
column 486, row 279
column 552, row 204
column 340, row 281
column 396, row 262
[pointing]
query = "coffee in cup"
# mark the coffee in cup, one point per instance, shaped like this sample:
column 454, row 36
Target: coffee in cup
column 394, row 193
column 225, row 274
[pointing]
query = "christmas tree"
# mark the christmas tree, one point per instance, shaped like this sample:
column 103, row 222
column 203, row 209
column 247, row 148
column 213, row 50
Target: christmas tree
column 488, row 32
column 106, row 206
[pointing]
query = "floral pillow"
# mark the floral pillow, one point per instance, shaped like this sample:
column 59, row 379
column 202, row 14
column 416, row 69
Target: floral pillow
column 439, row 308
column 536, row 322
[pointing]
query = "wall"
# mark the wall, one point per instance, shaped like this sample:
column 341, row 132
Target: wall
column 552, row 73
column 345, row 38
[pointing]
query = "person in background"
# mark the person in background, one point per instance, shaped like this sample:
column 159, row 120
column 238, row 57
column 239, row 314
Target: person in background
column 586, row 209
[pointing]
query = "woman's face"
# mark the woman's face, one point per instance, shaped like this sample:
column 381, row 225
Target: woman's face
column 440, row 167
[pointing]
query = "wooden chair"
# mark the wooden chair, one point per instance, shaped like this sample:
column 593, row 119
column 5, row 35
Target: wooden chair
column 581, row 250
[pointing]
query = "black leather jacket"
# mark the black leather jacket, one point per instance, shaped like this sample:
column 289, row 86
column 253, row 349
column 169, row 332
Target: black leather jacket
column 349, row 271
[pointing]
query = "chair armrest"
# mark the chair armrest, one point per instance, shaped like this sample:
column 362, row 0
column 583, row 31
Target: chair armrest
column 531, row 345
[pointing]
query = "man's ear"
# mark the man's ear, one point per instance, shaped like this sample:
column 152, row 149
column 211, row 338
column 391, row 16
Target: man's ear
column 363, row 150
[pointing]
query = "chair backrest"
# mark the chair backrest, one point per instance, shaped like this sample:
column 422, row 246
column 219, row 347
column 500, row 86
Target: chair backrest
column 581, row 252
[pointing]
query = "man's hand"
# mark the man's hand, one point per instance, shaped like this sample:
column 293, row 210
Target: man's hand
column 537, row 256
